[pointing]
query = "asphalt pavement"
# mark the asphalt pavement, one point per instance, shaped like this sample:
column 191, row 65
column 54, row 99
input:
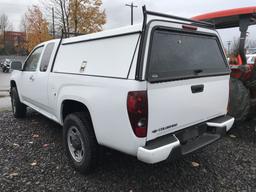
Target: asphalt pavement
column 4, row 81
column 5, row 101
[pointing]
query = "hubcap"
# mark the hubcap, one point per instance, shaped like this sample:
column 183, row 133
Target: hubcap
column 75, row 144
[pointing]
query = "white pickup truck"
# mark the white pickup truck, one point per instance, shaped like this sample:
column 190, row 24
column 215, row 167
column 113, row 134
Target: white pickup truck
column 156, row 90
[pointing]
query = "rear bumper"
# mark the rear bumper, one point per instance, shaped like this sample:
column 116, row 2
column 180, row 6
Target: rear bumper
column 185, row 141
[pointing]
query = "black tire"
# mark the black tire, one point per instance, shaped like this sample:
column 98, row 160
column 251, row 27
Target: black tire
column 80, row 122
column 239, row 100
column 19, row 109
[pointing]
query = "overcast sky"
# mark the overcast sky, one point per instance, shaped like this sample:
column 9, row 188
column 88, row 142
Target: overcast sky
column 119, row 15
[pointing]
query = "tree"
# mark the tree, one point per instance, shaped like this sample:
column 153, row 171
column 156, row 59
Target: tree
column 36, row 27
column 23, row 24
column 5, row 25
column 235, row 46
column 251, row 43
column 86, row 16
column 76, row 16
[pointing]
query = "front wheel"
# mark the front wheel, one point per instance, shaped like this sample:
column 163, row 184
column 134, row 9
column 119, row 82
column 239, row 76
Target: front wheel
column 80, row 142
column 19, row 109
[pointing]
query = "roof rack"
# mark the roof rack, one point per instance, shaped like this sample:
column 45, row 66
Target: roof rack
column 200, row 23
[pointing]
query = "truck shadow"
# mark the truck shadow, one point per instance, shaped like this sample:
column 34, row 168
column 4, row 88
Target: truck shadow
column 217, row 164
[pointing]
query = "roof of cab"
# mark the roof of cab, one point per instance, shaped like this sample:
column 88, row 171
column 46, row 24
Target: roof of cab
column 105, row 34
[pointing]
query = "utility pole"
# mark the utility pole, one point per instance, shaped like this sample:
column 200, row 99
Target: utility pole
column 131, row 6
column 229, row 43
column 53, row 24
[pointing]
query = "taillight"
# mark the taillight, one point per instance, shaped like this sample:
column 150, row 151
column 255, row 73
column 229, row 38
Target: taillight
column 137, row 107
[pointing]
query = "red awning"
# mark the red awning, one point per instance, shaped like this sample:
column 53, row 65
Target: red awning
column 228, row 18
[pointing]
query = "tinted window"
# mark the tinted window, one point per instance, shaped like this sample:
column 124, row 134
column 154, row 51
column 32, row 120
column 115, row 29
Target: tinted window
column 32, row 61
column 176, row 55
column 46, row 57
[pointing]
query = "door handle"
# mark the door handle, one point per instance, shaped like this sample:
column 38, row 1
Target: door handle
column 31, row 78
column 197, row 88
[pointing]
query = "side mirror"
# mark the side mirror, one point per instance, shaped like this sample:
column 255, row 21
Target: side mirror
column 16, row 65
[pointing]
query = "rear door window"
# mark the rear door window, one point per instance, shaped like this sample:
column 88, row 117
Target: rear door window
column 46, row 57
column 177, row 55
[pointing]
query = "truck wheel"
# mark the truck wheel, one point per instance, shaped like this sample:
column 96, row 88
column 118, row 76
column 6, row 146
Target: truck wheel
column 19, row 109
column 80, row 142
column 239, row 100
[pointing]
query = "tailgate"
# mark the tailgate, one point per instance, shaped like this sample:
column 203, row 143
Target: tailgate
column 179, row 104
column 188, row 79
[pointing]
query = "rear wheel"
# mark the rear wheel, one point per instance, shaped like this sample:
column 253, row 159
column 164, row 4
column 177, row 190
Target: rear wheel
column 239, row 100
column 80, row 142
column 19, row 109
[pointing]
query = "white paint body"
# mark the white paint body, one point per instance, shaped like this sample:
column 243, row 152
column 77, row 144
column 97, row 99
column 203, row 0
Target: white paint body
column 103, row 85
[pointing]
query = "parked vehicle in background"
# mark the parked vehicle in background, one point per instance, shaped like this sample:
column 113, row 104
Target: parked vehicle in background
column 242, row 101
column 143, row 90
column 251, row 51
column 251, row 58
column 6, row 65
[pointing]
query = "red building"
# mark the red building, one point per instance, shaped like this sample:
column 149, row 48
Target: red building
column 15, row 38
column 13, row 42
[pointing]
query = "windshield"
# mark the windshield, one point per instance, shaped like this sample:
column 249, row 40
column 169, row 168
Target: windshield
column 177, row 55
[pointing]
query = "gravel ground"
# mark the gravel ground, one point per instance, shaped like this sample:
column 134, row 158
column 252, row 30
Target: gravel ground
column 5, row 102
column 32, row 159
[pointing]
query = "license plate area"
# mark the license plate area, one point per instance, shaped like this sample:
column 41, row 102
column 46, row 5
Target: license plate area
column 191, row 133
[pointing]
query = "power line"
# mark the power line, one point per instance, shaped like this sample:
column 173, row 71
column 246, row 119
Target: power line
column 131, row 6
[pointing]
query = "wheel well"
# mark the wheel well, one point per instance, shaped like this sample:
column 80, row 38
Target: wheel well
column 13, row 84
column 71, row 106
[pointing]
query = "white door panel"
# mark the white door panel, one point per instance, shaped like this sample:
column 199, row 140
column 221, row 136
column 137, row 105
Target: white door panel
column 27, row 82
column 35, row 78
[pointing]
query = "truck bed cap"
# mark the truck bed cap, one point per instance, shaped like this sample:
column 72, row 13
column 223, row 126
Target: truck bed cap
column 103, row 34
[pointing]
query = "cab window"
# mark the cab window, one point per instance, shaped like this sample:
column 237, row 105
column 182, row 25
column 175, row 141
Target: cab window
column 32, row 61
